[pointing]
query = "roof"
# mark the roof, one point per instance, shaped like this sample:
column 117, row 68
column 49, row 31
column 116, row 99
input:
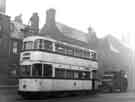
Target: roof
column 72, row 32
column 54, row 32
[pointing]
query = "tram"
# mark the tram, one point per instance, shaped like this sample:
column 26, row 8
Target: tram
column 48, row 66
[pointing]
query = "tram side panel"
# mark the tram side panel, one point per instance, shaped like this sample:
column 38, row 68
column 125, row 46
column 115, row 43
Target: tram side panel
column 56, row 58
column 52, row 85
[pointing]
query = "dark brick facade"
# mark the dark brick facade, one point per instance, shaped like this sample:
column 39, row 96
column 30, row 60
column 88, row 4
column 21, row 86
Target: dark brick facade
column 9, row 53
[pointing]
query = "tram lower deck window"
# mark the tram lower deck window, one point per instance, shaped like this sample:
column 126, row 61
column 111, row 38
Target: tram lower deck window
column 59, row 73
column 71, row 74
column 84, row 75
column 47, row 70
column 37, row 70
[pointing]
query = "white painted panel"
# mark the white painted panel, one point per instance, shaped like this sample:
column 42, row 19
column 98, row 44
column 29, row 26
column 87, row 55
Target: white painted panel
column 46, row 85
column 31, row 84
column 54, row 85
column 86, row 84
column 71, row 85
column 56, row 58
column 2, row 6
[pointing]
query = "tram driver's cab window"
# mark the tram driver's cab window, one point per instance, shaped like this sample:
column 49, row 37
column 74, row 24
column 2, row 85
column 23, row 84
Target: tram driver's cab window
column 37, row 70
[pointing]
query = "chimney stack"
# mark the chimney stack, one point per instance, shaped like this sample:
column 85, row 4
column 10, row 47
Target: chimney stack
column 50, row 16
column 2, row 6
column 34, row 22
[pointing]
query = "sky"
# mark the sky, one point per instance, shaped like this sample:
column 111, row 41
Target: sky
column 116, row 17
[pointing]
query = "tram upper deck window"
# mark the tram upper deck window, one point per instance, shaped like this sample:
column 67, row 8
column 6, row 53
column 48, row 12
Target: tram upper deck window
column 38, row 44
column 76, row 52
column 48, row 45
column 86, row 54
column 28, row 45
column 37, row 70
column 43, row 44
column 94, row 55
column 69, row 51
column 25, row 70
column 60, row 48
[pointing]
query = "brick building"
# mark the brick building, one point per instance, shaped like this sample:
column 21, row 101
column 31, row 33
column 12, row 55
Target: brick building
column 10, row 46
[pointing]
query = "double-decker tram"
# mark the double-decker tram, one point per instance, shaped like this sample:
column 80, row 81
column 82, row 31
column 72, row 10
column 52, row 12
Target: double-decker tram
column 48, row 66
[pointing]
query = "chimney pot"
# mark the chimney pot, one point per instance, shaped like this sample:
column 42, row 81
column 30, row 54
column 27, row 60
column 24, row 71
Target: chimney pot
column 50, row 16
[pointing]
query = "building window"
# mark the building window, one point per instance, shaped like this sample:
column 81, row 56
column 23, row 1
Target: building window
column 15, row 47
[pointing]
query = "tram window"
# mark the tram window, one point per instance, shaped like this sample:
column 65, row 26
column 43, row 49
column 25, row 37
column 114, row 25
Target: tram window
column 69, row 51
column 15, row 47
column 37, row 69
column 82, row 53
column 69, row 74
column 28, row 45
column 47, row 70
column 87, row 76
column 84, row 75
column 79, row 53
column 86, row 54
column 93, row 55
column 60, row 48
column 39, row 44
column 94, row 74
column 75, row 52
column 48, row 45
column 59, row 73
column 76, row 75
column 42, row 44
column 25, row 70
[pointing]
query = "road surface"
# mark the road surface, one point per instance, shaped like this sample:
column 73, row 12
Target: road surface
column 10, row 95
